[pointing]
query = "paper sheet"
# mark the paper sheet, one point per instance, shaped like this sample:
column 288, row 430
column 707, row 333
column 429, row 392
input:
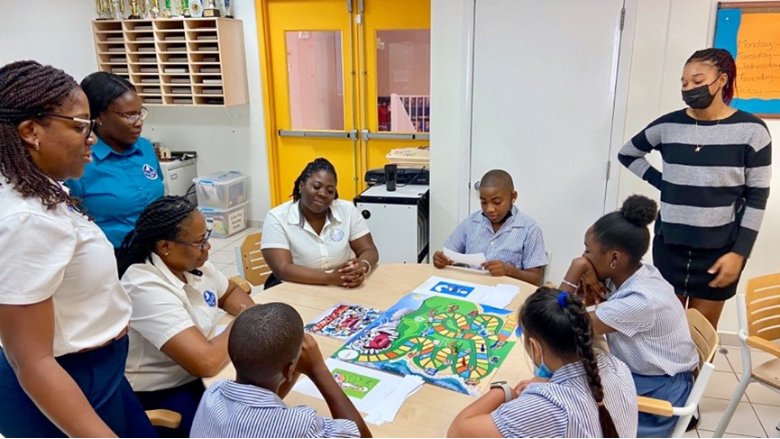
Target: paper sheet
column 378, row 395
column 498, row 296
column 474, row 260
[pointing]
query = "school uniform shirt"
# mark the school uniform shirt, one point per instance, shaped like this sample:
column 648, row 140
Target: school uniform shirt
column 517, row 242
column 652, row 335
column 116, row 187
column 229, row 409
column 164, row 306
column 60, row 254
column 564, row 406
column 286, row 228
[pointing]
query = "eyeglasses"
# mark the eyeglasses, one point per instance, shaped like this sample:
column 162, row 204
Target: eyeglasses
column 132, row 117
column 200, row 244
column 86, row 125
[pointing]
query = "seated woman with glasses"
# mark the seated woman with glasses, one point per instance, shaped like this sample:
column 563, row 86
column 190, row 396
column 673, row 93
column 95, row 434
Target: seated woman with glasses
column 124, row 175
column 178, row 298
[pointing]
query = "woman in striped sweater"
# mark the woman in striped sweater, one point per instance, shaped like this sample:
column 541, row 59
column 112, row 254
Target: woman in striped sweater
column 714, row 185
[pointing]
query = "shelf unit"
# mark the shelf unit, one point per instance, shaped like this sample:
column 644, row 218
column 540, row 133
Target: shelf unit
column 191, row 62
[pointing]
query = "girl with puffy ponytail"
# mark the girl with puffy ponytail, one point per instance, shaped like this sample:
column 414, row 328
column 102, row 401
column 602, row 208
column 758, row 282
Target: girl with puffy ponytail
column 643, row 321
column 578, row 390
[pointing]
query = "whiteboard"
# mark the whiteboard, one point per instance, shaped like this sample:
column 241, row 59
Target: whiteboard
column 545, row 74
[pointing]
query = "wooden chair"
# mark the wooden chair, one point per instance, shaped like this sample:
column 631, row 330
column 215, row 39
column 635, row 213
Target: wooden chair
column 758, row 311
column 253, row 266
column 706, row 339
column 164, row 418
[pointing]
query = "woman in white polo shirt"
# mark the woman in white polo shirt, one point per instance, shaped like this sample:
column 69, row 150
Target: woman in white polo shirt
column 63, row 313
column 178, row 299
column 317, row 238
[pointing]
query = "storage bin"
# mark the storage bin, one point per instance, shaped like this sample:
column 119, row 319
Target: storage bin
column 225, row 222
column 222, row 190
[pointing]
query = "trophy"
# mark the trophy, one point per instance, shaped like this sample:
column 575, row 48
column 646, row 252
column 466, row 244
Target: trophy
column 170, row 11
column 210, row 9
column 118, row 9
column 153, row 8
column 103, row 9
column 135, row 11
column 196, row 9
column 184, row 7
column 228, row 6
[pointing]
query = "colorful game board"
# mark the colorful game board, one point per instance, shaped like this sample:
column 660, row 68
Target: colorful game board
column 447, row 342
column 342, row 321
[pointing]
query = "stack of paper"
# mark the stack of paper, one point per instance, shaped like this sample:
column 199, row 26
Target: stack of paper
column 377, row 394
column 498, row 296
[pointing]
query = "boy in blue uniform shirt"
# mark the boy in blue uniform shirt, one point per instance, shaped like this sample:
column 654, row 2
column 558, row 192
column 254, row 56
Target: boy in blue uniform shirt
column 511, row 241
column 269, row 350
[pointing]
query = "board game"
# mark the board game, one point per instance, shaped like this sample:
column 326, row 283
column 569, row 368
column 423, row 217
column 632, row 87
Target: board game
column 342, row 321
column 448, row 342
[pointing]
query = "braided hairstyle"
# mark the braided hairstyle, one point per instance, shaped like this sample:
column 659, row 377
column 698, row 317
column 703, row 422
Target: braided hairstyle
column 28, row 89
column 626, row 229
column 561, row 321
column 724, row 62
column 319, row 164
column 160, row 220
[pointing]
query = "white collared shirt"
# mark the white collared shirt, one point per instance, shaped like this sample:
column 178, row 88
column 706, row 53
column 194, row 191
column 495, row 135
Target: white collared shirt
column 284, row 227
column 164, row 306
column 60, row 254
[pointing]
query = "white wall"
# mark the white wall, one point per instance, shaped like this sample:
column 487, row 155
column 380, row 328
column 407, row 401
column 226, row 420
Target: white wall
column 58, row 32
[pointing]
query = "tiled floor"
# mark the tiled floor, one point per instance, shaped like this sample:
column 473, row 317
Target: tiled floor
column 756, row 416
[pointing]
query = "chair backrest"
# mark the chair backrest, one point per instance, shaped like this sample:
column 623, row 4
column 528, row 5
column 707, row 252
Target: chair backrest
column 762, row 303
column 256, row 271
column 705, row 337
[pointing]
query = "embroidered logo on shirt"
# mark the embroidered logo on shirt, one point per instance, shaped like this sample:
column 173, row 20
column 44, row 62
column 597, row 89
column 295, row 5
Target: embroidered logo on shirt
column 150, row 172
column 210, row 298
column 337, row 235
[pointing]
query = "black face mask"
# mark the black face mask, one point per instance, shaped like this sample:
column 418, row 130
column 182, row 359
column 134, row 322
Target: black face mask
column 699, row 97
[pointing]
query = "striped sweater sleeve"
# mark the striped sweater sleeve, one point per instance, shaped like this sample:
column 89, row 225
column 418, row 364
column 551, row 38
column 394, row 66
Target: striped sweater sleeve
column 758, row 173
column 632, row 154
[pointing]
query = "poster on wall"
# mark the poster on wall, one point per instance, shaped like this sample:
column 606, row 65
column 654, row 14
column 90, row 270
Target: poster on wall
column 751, row 34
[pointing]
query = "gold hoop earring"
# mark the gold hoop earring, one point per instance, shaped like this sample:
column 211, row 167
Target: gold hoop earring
column 37, row 145
column 612, row 265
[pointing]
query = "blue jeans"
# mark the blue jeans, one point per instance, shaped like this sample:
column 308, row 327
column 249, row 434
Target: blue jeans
column 674, row 389
column 100, row 374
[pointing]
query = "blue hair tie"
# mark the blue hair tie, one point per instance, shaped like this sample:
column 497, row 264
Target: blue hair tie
column 562, row 299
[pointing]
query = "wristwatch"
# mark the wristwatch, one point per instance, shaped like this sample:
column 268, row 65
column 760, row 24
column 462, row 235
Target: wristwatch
column 508, row 394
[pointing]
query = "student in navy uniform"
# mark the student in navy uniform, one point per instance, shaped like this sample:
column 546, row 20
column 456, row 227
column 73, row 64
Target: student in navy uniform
column 510, row 240
column 269, row 350
column 645, row 325
column 125, row 175
column 578, row 390
column 63, row 313
column 717, row 166
column 178, row 300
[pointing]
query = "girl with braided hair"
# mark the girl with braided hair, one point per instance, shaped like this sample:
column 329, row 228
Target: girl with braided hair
column 63, row 312
column 578, row 390
column 178, row 298
column 643, row 321
column 317, row 238
column 714, row 186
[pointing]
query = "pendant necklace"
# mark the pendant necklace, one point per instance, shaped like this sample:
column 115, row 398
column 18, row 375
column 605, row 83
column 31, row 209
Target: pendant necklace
column 699, row 146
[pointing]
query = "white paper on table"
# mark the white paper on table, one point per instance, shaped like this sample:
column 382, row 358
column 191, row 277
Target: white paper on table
column 472, row 259
column 498, row 296
column 380, row 404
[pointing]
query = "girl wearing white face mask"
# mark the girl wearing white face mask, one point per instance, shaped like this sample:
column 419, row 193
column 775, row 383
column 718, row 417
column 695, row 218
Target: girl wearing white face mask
column 577, row 391
column 714, row 185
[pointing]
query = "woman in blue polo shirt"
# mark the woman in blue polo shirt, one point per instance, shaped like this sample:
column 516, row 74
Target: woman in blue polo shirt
column 124, row 175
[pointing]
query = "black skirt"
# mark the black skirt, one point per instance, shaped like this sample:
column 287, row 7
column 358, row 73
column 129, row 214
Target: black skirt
column 686, row 269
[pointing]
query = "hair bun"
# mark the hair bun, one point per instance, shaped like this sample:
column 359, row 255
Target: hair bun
column 639, row 210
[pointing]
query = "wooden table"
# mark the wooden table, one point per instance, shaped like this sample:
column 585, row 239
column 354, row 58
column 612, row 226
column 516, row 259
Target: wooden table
column 429, row 412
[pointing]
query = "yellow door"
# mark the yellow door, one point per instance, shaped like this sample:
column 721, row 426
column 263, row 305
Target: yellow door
column 325, row 79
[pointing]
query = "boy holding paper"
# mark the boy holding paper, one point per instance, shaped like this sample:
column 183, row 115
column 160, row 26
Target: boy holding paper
column 511, row 241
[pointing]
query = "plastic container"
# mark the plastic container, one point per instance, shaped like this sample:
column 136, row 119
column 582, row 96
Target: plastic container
column 222, row 190
column 225, row 222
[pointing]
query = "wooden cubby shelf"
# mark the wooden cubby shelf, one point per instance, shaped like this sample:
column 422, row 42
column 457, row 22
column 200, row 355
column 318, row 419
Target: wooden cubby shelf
column 171, row 62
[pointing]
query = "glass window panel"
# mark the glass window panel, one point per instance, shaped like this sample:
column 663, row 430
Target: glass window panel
column 403, row 80
column 314, row 69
